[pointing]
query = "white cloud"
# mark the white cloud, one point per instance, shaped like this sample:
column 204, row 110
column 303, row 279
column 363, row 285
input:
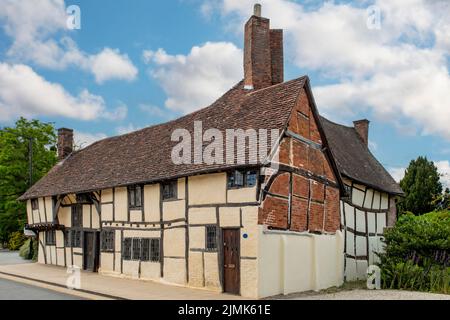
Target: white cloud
column 195, row 80
column 40, row 36
column 25, row 93
column 84, row 139
column 110, row 64
column 444, row 170
column 154, row 111
column 127, row 129
column 397, row 173
column 399, row 72
column 442, row 166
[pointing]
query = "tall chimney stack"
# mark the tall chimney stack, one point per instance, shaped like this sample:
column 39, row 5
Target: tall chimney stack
column 263, row 53
column 362, row 128
column 65, row 143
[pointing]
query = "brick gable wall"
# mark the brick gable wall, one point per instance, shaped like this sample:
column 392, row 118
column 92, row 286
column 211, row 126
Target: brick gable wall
column 304, row 195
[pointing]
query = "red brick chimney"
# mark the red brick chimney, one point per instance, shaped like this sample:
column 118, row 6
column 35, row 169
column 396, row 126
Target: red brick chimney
column 362, row 128
column 65, row 143
column 263, row 53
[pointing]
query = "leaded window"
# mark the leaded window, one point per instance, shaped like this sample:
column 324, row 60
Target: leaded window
column 83, row 198
column 211, row 238
column 77, row 216
column 169, row 190
column 155, row 250
column 135, row 196
column 67, row 236
column 242, row 179
column 136, row 249
column 75, row 238
column 50, row 238
column 141, row 249
column 145, row 249
column 126, row 249
column 107, row 240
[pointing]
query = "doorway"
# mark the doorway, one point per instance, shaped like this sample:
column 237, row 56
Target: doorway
column 91, row 251
column 231, row 261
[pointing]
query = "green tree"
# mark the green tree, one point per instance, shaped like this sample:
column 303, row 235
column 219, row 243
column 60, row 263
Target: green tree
column 15, row 172
column 421, row 185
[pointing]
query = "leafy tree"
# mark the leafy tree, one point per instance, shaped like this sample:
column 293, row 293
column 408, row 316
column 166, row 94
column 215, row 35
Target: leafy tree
column 421, row 186
column 14, row 168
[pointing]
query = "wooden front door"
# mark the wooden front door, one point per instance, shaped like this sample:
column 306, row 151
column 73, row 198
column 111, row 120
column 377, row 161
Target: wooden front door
column 231, row 255
column 91, row 252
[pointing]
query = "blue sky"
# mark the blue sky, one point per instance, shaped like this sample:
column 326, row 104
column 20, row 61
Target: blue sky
column 396, row 76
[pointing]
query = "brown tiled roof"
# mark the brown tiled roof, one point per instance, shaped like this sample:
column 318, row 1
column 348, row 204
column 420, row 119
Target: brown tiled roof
column 354, row 159
column 145, row 155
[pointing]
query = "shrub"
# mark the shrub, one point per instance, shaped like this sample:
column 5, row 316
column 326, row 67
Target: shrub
column 16, row 240
column 29, row 246
column 416, row 254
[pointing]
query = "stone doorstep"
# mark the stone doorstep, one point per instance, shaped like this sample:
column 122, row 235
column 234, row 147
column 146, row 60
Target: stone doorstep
column 55, row 276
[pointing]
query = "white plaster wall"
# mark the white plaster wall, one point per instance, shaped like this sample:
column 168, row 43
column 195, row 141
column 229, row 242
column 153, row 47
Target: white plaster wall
column 230, row 217
column 107, row 212
column 173, row 210
column 151, row 203
column 196, row 269
column 64, row 216
column 49, row 208
column 60, row 254
column 293, row 263
column 121, row 204
column 241, row 195
column 211, row 270
column 357, row 197
column 202, row 216
column 150, row 270
column 175, row 271
column 107, row 195
column 107, row 262
column 86, row 216
column 95, row 218
column 135, row 215
column 207, row 189
column 29, row 212
column 175, row 243
column 42, row 210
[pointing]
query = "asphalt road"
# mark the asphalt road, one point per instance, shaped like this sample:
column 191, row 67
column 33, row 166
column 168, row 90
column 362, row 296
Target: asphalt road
column 10, row 290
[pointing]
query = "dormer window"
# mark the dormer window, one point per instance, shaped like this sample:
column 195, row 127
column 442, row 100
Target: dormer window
column 135, row 196
column 242, row 179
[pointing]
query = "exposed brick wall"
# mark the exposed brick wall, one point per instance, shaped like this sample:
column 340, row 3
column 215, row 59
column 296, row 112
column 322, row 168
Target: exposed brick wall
column 314, row 205
column 332, row 218
column 277, row 56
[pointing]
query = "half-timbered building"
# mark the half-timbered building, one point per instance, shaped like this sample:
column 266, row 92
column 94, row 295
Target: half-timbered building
column 122, row 207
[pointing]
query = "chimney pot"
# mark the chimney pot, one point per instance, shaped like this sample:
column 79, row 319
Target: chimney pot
column 65, row 143
column 257, row 10
column 362, row 128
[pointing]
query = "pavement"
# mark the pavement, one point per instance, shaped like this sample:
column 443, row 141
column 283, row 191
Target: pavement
column 96, row 286
column 20, row 279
